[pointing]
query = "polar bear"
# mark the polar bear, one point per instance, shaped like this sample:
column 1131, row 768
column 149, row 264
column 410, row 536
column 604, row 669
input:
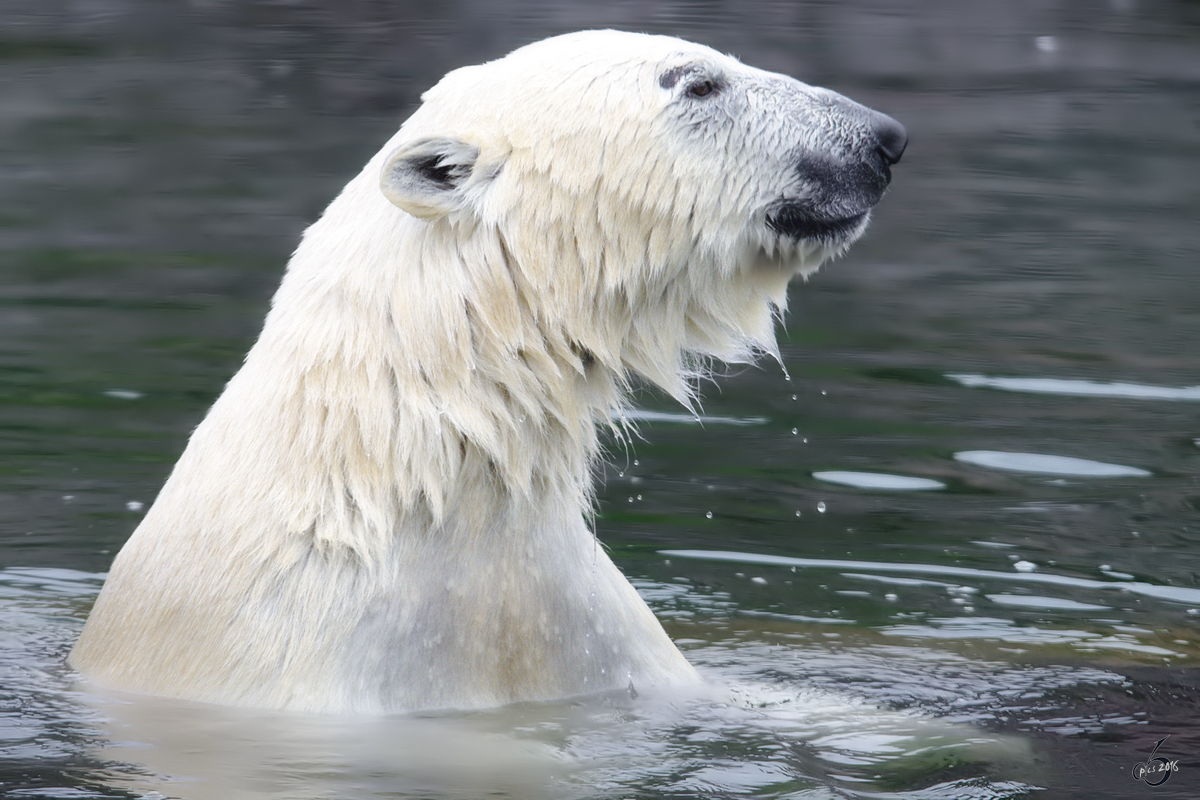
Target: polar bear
column 387, row 508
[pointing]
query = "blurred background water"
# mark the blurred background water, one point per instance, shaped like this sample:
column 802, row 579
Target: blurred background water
column 956, row 554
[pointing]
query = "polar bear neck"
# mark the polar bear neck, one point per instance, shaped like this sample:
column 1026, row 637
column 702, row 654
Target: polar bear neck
column 375, row 380
column 407, row 370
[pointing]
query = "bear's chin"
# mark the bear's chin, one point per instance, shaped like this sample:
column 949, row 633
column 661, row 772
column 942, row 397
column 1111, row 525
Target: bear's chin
column 804, row 246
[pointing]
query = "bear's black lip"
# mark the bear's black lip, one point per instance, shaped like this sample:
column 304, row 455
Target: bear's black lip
column 797, row 222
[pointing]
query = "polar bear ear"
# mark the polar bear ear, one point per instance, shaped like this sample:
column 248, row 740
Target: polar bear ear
column 426, row 177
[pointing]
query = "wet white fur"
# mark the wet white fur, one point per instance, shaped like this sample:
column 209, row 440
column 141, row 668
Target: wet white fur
column 386, row 510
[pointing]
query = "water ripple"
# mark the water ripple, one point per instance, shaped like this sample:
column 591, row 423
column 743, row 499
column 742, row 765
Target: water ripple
column 1077, row 388
column 1048, row 465
column 879, row 480
column 675, row 418
column 1177, row 594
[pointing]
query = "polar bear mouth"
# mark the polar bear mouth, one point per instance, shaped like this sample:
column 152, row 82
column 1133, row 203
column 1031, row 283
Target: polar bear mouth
column 829, row 200
column 798, row 222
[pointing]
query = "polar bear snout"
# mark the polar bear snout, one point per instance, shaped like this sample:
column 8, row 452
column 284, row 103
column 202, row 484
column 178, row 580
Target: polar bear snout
column 831, row 193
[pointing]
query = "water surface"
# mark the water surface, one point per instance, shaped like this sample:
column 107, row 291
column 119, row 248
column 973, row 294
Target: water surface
column 952, row 552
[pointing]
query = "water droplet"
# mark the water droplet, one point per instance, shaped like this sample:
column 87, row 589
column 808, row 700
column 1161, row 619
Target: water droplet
column 821, row 507
column 135, row 505
column 797, row 512
column 620, row 474
column 636, row 462
column 891, row 598
column 631, row 499
column 639, row 497
column 804, row 440
column 708, row 514
column 795, row 431
column 793, row 397
column 824, row 392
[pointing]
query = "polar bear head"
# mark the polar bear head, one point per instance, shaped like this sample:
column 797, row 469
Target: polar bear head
column 654, row 195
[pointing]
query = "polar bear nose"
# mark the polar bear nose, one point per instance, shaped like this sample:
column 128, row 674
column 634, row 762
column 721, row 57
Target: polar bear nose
column 890, row 137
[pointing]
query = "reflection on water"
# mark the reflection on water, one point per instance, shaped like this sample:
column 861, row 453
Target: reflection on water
column 1026, row 298
column 876, row 480
column 1047, row 465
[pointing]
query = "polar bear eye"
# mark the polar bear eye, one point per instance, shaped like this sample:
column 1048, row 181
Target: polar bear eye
column 701, row 88
column 700, row 81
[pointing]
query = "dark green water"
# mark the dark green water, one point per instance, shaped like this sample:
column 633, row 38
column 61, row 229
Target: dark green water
column 1008, row 631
